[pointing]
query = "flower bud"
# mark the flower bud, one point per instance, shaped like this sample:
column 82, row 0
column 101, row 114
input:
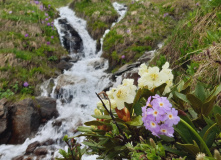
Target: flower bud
column 152, row 143
column 217, row 154
column 123, row 114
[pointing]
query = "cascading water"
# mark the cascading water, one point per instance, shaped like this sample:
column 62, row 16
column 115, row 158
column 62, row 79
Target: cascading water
column 87, row 79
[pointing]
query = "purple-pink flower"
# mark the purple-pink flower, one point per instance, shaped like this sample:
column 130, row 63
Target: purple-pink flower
column 52, row 37
column 165, row 14
column 36, row 2
column 46, row 19
column 159, row 117
column 48, row 24
column 25, row 84
column 10, row 12
column 48, row 43
column 26, row 35
column 123, row 56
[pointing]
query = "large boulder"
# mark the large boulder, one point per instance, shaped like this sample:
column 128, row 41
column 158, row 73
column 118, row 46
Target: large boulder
column 47, row 107
column 27, row 115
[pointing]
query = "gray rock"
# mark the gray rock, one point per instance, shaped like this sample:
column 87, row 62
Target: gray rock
column 31, row 147
column 40, row 151
column 48, row 142
column 47, row 107
column 147, row 56
column 63, row 65
column 18, row 158
column 125, row 68
column 65, row 58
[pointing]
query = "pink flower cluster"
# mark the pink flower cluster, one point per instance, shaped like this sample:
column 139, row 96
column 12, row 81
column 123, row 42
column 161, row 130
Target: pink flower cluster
column 159, row 117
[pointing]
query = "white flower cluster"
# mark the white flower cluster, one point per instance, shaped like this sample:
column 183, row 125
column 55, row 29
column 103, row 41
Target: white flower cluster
column 152, row 77
column 123, row 93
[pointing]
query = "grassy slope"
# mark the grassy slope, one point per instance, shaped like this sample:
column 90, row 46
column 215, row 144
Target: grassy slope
column 27, row 58
column 146, row 23
column 99, row 15
column 195, row 45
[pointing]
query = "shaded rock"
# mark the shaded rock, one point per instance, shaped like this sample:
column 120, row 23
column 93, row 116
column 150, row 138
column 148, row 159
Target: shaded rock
column 65, row 58
column 29, row 158
column 57, row 123
column 125, row 68
column 41, row 157
column 147, row 56
column 97, row 64
column 25, row 120
column 74, row 59
column 71, row 39
column 98, row 45
column 18, row 158
column 40, row 151
column 47, row 85
column 132, row 74
column 109, row 85
column 63, row 65
column 48, row 142
column 47, row 107
column 31, row 147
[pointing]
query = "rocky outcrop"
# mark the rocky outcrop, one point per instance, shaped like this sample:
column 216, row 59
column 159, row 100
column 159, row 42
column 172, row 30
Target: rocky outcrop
column 71, row 39
column 21, row 120
column 31, row 147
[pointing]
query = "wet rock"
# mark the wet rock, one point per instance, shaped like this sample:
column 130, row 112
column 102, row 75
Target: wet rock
column 147, row 56
column 74, row 59
column 40, row 151
column 57, row 123
column 40, row 157
column 48, row 142
column 25, row 120
column 71, row 39
column 98, row 46
column 125, row 68
column 63, row 65
column 47, row 107
column 31, row 147
column 47, row 85
column 97, row 64
column 65, row 58
column 132, row 74
column 109, row 85
column 29, row 158
column 18, row 158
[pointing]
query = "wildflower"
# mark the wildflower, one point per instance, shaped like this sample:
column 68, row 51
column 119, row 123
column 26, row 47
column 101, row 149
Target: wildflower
column 110, row 93
column 97, row 112
column 172, row 117
column 123, row 56
column 52, row 37
column 107, row 104
column 36, row 2
column 200, row 156
column 42, row 22
column 25, row 84
column 26, row 35
column 49, row 6
column 48, row 24
column 10, row 12
column 165, row 14
column 46, row 19
column 158, row 116
column 197, row 4
column 48, row 43
column 143, row 69
column 128, row 31
column 46, row 14
column 41, row 7
column 33, row 11
column 124, row 93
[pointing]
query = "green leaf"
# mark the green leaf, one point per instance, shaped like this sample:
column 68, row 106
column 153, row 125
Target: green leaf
column 137, row 107
column 208, row 106
column 217, row 109
column 218, row 120
column 200, row 92
column 84, row 129
column 101, row 116
column 190, row 148
column 137, row 121
column 208, row 131
column 129, row 107
column 195, row 103
column 215, row 92
column 160, row 89
column 175, row 151
column 94, row 123
column 63, row 153
column 166, row 138
column 114, row 129
column 90, row 144
column 181, row 96
column 65, row 138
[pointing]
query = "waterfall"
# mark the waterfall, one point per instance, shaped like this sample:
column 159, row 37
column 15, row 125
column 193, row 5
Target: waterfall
column 80, row 95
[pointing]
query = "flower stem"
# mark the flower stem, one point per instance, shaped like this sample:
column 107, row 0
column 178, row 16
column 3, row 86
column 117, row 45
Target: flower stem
column 198, row 136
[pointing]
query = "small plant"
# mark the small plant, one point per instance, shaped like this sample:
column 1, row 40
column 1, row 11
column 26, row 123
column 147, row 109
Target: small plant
column 53, row 58
column 74, row 151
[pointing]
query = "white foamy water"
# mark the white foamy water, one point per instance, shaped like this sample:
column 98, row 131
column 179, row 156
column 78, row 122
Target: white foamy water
column 84, row 99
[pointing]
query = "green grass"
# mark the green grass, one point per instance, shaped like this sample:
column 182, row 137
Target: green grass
column 27, row 58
